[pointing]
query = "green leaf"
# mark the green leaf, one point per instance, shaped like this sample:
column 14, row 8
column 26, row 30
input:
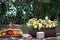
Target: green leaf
column 13, row 0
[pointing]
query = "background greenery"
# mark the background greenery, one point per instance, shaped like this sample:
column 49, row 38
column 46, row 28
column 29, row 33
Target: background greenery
column 27, row 9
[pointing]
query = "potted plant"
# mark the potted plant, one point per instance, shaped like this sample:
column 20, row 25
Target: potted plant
column 46, row 25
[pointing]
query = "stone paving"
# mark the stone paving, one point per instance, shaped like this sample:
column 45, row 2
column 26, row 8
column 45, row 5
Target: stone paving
column 49, row 38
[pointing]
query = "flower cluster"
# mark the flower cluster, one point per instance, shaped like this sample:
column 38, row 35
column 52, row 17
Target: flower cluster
column 39, row 24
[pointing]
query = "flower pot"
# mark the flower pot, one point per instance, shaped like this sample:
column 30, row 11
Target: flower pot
column 48, row 32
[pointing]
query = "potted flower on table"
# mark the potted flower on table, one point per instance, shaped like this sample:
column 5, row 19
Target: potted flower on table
column 46, row 25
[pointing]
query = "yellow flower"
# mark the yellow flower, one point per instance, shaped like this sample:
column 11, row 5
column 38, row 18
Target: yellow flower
column 40, row 26
column 49, row 21
column 47, row 26
column 44, row 23
column 53, row 24
column 50, row 26
column 35, row 23
column 41, row 23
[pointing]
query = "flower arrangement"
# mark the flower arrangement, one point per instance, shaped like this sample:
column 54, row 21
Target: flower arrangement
column 41, row 24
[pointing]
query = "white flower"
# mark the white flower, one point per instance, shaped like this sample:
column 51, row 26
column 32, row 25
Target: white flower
column 28, row 24
column 35, row 26
column 43, row 21
column 40, row 19
column 46, row 18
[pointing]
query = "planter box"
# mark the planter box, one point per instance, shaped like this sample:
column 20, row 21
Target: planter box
column 48, row 32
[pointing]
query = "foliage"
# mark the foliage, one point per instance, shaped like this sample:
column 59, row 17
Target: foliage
column 27, row 9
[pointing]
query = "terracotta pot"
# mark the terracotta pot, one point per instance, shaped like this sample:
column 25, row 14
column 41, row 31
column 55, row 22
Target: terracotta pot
column 48, row 32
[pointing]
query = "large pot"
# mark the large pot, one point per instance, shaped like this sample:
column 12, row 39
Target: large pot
column 48, row 32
